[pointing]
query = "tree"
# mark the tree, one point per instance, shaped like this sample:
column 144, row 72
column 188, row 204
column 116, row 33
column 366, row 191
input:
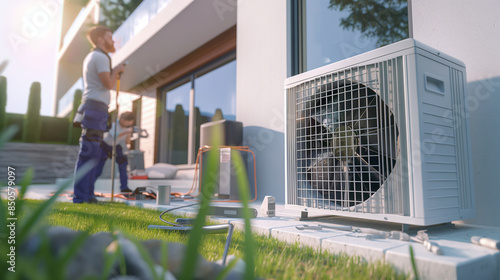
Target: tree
column 178, row 136
column 3, row 65
column 117, row 11
column 74, row 132
column 3, row 102
column 217, row 115
column 385, row 20
column 32, row 120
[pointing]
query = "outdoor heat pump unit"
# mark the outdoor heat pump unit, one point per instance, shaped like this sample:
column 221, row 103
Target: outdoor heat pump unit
column 381, row 136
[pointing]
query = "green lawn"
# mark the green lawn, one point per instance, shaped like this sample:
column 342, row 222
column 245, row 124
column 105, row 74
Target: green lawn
column 274, row 259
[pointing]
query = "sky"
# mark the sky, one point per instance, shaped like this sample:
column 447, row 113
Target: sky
column 30, row 34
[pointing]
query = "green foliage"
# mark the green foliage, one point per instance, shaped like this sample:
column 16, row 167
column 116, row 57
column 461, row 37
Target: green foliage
column 6, row 136
column 32, row 121
column 3, row 102
column 208, row 186
column 178, row 136
column 54, row 130
column 217, row 115
column 276, row 259
column 413, row 263
column 3, row 65
column 16, row 120
column 74, row 132
column 387, row 21
column 243, row 190
column 117, row 11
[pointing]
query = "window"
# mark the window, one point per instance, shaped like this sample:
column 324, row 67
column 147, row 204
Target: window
column 215, row 97
column 207, row 94
column 327, row 31
column 177, row 124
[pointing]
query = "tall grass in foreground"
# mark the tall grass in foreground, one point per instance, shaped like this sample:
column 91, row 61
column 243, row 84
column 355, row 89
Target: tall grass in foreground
column 208, row 187
column 274, row 259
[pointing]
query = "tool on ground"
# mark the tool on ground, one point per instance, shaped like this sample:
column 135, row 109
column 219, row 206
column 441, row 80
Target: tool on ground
column 423, row 238
column 163, row 197
column 486, row 242
column 372, row 234
column 232, row 212
column 212, row 229
column 182, row 224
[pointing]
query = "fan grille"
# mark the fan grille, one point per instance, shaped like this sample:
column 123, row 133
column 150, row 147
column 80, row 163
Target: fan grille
column 346, row 139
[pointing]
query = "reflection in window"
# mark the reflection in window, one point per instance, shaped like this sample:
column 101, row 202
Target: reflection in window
column 215, row 97
column 338, row 29
column 177, row 110
column 214, row 91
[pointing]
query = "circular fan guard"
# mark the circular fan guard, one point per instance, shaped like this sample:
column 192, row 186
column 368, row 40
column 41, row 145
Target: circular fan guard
column 347, row 142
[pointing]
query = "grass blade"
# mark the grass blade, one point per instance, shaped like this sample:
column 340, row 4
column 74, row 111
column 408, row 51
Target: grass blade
column 33, row 218
column 7, row 134
column 413, row 263
column 25, row 182
column 207, row 190
column 222, row 275
column 195, row 238
column 243, row 188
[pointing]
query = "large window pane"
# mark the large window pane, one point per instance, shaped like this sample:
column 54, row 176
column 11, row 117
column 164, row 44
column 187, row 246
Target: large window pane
column 175, row 146
column 213, row 89
column 336, row 29
column 215, row 97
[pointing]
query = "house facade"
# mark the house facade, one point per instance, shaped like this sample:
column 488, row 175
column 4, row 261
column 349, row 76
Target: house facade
column 193, row 61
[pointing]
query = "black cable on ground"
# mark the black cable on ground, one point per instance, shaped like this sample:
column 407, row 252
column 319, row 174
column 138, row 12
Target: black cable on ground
column 168, row 210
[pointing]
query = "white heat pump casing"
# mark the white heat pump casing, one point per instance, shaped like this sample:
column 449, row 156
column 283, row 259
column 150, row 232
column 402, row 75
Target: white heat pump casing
column 431, row 181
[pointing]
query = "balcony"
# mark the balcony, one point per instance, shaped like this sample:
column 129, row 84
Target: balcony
column 160, row 32
column 152, row 38
column 139, row 19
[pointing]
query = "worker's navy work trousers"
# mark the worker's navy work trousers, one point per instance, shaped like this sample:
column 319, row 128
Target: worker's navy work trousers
column 121, row 160
column 94, row 124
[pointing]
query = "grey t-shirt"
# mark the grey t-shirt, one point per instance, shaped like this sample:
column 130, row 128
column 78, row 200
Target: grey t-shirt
column 95, row 62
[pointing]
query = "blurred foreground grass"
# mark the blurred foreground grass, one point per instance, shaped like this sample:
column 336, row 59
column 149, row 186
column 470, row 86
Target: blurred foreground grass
column 273, row 259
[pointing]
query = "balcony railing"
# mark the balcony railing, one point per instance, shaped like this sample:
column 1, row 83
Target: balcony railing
column 141, row 16
column 75, row 26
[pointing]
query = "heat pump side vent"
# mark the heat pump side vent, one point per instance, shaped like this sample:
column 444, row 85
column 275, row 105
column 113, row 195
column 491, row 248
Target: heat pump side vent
column 391, row 91
column 462, row 135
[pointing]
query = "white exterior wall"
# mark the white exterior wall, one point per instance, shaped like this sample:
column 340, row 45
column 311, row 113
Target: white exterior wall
column 470, row 31
column 261, row 71
column 148, row 122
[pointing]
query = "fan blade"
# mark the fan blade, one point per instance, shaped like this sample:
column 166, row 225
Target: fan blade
column 389, row 150
column 364, row 114
column 347, row 191
column 369, row 169
column 317, row 133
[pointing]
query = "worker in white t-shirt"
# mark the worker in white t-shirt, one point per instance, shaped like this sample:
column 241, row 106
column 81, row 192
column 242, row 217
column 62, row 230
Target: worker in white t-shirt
column 98, row 79
column 123, row 131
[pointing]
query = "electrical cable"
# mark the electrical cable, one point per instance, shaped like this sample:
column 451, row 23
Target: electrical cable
column 172, row 209
column 199, row 161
